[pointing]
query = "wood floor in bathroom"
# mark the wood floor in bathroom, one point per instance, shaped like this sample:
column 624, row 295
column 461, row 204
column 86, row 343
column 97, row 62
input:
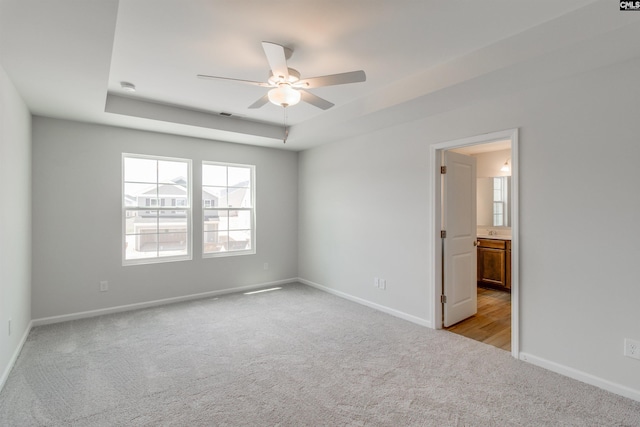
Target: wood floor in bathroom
column 492, row 323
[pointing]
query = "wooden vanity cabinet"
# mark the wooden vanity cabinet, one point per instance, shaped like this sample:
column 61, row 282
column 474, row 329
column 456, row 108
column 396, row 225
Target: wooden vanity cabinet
column 494, row 263
column 508, row 266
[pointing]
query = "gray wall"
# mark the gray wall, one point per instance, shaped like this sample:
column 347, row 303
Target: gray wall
column 77, row 242
column 364, row 212
column 15, row 221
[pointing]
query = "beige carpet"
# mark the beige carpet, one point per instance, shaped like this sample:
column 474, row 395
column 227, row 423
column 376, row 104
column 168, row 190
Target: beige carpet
column 291, row 357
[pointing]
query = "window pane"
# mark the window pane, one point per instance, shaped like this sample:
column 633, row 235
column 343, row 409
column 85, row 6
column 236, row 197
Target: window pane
column 211, row 216
column 173, row 172
column 139, row 246
column 217, row 217
column 145, row 240
column 498, row 214
column 239, row 177
column 172, row 195
column 138, row 194
column 141, row 222
column 130, row 218
column 239, row 240
column 215, row 241
column 498, row 189
column 215, row 175
column 172, row 243
column 140, row 170
column 209, row 200
column 239, row 197
column 172, row 221
column 218, row 194
column 239, row 220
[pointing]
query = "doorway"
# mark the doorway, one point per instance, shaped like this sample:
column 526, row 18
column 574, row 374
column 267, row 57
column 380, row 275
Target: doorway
column 497, row 317
column 492, row 322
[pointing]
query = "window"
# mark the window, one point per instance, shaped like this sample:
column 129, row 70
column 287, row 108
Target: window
column 228, row 212
column 151, row 233
column 500, row 197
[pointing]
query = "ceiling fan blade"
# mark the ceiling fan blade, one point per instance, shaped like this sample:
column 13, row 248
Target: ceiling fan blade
column 250, row 82
column 277, row 58
column 316, row 101
column 333, row 79
column 260, row 102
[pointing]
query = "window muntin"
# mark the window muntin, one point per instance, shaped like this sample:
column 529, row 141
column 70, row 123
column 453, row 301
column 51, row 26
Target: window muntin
column 228, row 209
column 150, row 232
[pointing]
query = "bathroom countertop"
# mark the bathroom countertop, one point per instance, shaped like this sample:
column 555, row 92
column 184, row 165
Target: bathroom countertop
column 493, row 236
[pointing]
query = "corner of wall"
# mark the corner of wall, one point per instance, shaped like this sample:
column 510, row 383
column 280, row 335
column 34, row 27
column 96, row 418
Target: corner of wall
column 15, row 224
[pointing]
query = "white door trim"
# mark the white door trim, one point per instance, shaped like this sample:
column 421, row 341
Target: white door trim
column 436, row 217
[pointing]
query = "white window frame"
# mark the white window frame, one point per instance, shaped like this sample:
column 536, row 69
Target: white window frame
column 251, row 209
column 188, row 210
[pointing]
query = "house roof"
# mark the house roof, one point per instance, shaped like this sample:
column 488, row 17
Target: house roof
column 166, row 190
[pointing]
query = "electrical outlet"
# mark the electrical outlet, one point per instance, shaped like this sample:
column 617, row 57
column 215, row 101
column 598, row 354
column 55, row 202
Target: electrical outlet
column 104, row 286
column 376, row 282
column 632, row 348
column 266, row 266
column 383, row 283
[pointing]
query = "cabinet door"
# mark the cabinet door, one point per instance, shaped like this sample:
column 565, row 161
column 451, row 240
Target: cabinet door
column 491, row 266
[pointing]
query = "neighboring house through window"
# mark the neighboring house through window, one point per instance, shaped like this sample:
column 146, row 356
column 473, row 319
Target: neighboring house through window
column 151, row 233
column 228, row 201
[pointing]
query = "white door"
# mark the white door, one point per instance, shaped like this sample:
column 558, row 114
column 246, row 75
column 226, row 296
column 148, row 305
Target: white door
column 459, row 246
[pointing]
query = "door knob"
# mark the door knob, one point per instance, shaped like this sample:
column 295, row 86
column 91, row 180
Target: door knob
column 475, row 243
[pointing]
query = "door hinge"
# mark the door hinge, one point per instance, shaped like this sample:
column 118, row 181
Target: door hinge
column 443, row 169
column 443, row 234
column 443, row 299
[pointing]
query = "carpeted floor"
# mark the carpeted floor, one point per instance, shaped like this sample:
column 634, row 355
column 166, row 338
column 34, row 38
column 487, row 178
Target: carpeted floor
column 292, row 357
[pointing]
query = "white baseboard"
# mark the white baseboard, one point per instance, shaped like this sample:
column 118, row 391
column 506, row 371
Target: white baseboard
column 9, row 367
column 384, row 309
column 582, row 376
column 154, row 303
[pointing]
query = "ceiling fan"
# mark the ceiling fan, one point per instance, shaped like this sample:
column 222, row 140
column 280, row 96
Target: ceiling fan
column 287, row 88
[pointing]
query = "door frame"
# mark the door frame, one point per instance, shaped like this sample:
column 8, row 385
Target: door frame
column 436, row 216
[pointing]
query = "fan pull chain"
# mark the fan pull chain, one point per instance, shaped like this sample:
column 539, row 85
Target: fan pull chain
column 286, row 131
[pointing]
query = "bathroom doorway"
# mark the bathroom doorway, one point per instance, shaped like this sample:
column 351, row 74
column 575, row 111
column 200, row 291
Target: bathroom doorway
column 492, row 322
column 495, row 292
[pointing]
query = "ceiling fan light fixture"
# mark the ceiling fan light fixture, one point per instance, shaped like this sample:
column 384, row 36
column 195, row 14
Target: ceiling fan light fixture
column 284, row 95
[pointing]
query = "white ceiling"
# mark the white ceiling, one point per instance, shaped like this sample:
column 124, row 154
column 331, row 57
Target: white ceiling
column 68, row 57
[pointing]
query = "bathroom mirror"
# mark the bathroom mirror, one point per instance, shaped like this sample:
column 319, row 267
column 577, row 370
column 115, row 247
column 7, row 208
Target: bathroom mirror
column 493, row 206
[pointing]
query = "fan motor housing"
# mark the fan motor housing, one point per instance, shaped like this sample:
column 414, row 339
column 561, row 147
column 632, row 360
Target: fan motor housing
column 294, row 76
